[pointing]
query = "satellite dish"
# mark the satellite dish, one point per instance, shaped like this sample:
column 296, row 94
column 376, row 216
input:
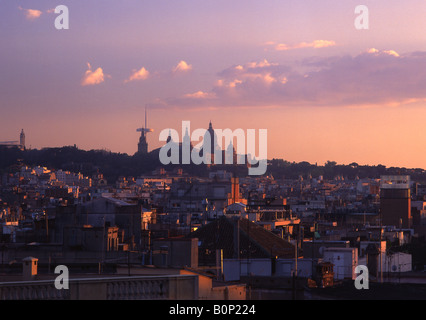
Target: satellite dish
column 394, row 268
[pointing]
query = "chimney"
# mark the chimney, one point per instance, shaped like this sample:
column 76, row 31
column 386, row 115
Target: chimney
column 236, row 238
column 219, row 264
column 29, row 268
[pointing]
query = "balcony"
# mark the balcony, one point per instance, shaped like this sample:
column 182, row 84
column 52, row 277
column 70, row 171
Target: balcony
column 170, row 287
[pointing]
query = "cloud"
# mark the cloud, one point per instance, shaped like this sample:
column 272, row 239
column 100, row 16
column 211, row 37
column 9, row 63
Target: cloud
column 251, row 69
column 372, row 78
column 200, row 95
column 93, row 77
column 141, row 74
column 31, row 14
column 388, row 52
column 262, row 73
column 182, row 66
column 314, row 44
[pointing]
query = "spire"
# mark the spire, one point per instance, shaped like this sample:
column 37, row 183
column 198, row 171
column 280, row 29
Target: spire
column 143, row 144
column 145, row 118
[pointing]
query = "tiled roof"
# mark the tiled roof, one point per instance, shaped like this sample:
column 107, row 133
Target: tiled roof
column 254, row 241
column 274, row 245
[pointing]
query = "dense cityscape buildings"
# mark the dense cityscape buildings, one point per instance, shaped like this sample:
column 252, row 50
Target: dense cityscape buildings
column 243, row 237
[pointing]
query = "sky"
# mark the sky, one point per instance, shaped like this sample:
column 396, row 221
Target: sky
column 323, row 89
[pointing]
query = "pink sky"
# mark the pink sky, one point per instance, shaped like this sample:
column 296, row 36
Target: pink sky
column 324, row 90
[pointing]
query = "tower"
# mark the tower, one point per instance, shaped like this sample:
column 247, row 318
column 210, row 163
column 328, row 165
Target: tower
column 212, row 138
column 395, row 201
column 186, row 140
column 143, row 144
column 230, row 155
column 22, row 140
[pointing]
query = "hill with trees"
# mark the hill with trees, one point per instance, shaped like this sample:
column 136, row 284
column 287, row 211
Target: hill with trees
column 113, row 165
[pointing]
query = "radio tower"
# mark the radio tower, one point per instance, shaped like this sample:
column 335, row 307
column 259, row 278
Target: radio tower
column 143, row 144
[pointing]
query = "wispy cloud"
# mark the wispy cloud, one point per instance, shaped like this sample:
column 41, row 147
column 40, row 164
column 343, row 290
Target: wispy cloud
column 31, row 14
column 93, row 77
column 388, row 52
column 141, row 74
column 200, row 95
column 261, row 72
column 314, row 44
column 371, row 78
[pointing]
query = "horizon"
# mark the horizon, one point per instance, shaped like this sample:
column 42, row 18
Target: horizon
column 269, row 159
column 324, row 90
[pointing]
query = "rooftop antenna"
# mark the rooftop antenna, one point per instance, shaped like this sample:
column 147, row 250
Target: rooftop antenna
column 143, row 144
column 145, row 129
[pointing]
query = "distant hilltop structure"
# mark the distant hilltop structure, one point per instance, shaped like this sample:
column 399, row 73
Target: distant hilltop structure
column 143, row 143
column 15, row 144
column 210, row 146
column 22, row 140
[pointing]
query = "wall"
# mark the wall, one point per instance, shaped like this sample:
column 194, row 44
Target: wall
column 345, row 261
column 234, row 269
column 398, row 262
column 180, row 287
column 178, row 252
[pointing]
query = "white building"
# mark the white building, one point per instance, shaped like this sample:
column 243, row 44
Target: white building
column 233, row 269
column 397, row 262
column 345, row 261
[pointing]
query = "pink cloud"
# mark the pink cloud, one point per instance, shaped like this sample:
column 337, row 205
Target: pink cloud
column 314, row 44
column 388, row 52
column 31, row 14
column 182, row 66
column 375, row 77
column 93, row 77
column 200, row 95
column 141, row 74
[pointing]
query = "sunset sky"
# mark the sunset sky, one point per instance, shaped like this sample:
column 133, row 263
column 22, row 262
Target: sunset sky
column 298, row 68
